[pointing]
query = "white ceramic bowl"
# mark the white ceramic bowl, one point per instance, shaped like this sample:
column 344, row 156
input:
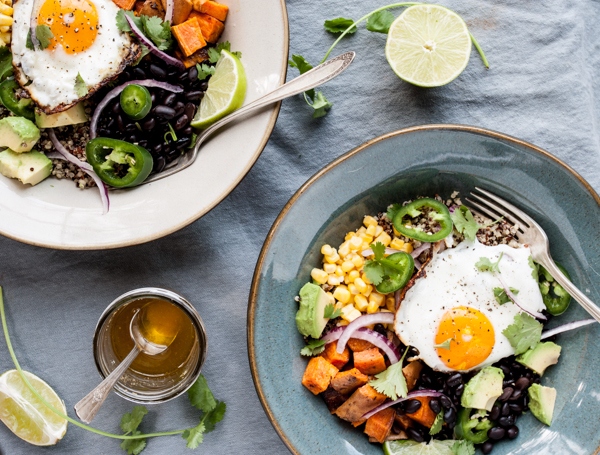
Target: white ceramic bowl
column 56, row 214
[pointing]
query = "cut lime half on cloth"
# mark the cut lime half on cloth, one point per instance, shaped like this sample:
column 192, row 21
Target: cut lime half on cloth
column 428, row 45
column 409, row 447
column 25, row 415
column 226, row 91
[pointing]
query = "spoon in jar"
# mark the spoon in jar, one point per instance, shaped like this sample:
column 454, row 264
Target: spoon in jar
column 87, row 408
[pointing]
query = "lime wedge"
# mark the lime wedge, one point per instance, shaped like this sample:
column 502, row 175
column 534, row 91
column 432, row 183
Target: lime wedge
column 428, row 45
column 410, row 447
column 225, row 93
column 25, row 415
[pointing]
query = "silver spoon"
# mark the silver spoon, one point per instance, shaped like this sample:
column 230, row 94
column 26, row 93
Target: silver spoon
column 87, row 408
column 309, row 80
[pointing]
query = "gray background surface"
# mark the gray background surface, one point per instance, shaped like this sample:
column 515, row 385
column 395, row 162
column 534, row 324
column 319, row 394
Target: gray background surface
column 541, row 87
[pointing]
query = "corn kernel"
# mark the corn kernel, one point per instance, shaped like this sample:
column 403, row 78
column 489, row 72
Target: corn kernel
column 352, row 289
column 331, row 259
column 360, row 285
column 358, row 261
column 354, row 314
column 342, row 323
column 371, row 230
column 347, row 279
column 367, row 238
column 384, row 238
column 349, row 235
column 347, row 266
column 365, row 279
column 397, row 243
column 342, row 294
column 339, row 272
column 369, row 221
column 344, row 249
column 353, row 275
column 407, row 248
column 361, row 230
column 396, row 231
column 372, row 307
column 333, row 280
column 390, row 304
column 320, row 276
column 329, row 268
column 367, row 293
column 326, row 250
column 331, row 298
column 378, row 298
column 355, row 243
column 360, row 302
column 378, row 230
column 365, row 246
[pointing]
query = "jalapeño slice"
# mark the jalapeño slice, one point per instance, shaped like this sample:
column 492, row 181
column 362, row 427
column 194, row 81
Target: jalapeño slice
column 439, row 212
column 398, row 268
column 136, row 101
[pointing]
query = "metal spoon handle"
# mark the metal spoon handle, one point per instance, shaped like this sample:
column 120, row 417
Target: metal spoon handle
column 87, row 408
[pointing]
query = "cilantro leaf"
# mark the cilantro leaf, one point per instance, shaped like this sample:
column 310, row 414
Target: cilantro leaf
column 204, row 71
column 437, row 424
column 313, row 347
column 133, row 446
column 80, row 86
column 463, row 447
column 214, row 416
column 392, row 382
column 393, row 210
column 200, row 395
column 195, row 436
column 378, row 250
column 214, row 53
column 524, row 333
column 380, row 22
column 374, row 272
column 129, row 424
column 145, row 51
column 303, row 66
column 44, row 35
column 485, row 265
column 535, row 270
column 502, row 297
column 158, row 31
column 339, row 25
column 465, row 222
column 331, row 312
column 122, row 23
column 321, row 105
column 445, row 344
column 29, row 42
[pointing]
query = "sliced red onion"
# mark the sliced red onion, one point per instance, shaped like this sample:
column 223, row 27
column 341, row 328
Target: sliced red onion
column 169, row 12
column 442, row 246
column 375, row 338
column 333, row 335
column 117, row 90
column 566, row 327
column 369, row 251
column 418, row 264
column 150, row 45
column 362, row 321
column 85, row 167
column 512, row 297
column 452, row 208
column 33, row 24
column 417, row 252
column 398, row 295
column 410, row 396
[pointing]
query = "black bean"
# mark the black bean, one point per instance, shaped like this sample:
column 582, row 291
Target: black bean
column 445, row 401
column 505, row 409
column 537, row 380
column 379, row 328
column 450, row 415
column 139, row 73
column 435, row 405
column 183, row 142
column 487, row 447
column 507, row 383
column 157, row 148
column 159, row 164
column 426, row 380
column 516, row 394
column 496, row 433
column 204, row 86
column 529, row 375
column 459, row 390
column 173, row 71
column 149, row 124
column 194, row 95
column 193, row 73
column 513, row 432
column 451, row 425
column 506, row 394
column 190, row 110
column 143, row 143
column 179, row 108
column 183, row 77
column 153, row 97
column 170, row 99
column 522, row 383
column 165, row 112
column 116, row 108
column 120, row 123
column 132, row 138
column 181, row 122
column 516, row 408
column 415, row 434
column 516, row 367
column 131, row 127
column 157, row 71
column 495, row 412
column 188, row 131
column 506, row 421
column 454, row 380
column 412, row 406
column 505, row 370
column 103, row 132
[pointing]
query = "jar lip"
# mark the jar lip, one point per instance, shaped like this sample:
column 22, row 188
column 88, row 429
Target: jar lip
column 176, row 299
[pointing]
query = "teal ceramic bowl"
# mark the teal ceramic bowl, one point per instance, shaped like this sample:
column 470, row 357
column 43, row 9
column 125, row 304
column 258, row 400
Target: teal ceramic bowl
column 395, row 167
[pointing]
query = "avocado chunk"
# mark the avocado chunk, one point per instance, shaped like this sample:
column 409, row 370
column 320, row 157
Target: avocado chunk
column 482, row 389
column 540, row 357
column 29, row 167
column 18, row 134
column 71, row 116
column 309, row 318
column 541, row 402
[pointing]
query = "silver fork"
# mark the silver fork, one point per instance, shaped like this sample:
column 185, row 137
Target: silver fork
column 530, row 233
column 309, row 80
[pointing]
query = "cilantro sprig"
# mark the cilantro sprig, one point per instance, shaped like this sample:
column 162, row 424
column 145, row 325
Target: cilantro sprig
column 214, row 53
column 465, row 222
column 43, row 35
column 524, row 333
column 154, row 28
column 391, row 382
column 486, row 265
column 317, row 100
column 502, row 297
column 437, row 424
column 129, row 424
column 445, row 344
column 81, row 88
column 379, row 267
column 331, row 312
column 313, row 347
column 463, row 447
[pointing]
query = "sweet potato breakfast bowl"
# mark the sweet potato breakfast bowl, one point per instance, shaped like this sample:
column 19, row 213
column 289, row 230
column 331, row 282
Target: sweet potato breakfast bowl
column 401, row 166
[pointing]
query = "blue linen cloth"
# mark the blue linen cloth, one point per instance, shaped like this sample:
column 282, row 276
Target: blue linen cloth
column 541, row 87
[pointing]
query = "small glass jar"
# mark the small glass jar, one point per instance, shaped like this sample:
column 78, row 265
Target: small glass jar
column 145, row 388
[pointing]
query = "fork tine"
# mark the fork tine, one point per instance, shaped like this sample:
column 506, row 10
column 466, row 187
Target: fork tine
column 529, row 222
column 499, row 210
column 481, row 210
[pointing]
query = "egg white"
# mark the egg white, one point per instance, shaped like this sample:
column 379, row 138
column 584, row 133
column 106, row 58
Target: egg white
column 52, row 72
column 452, row 281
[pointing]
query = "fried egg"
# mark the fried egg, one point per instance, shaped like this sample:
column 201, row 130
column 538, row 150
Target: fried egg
column 455, row 301
column 86, row 41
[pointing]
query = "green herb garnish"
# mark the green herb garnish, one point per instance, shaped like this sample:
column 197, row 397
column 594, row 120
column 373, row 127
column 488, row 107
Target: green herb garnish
column 392, row 382
column 331, row 312
column 463, row 447
column 436, row 427
column 339, row 25
column 214, row 53
column 313, row 347
column 465, row 222
column 204, row 71
column 524, row 333
column 445, row 344
column 80, row 86
column 486, row 265
column 502, row 297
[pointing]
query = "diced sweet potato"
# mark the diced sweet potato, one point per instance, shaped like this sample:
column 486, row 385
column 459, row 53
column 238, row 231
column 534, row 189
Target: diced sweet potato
column 333, row 399
column 411, row 373
column 181, row 10
column 189, row 36
column 211, row 28
column 214, row 9
column 137, row 8
column 348, row 381
column 153, row 8
column 337, row 360
column 357, row 345
column 379, row 425
column 370, row 361
column 318, row 375
column 404, row 421
column 125, row 4
column 363, row 400
column 192, row 60
column 392, row 437
column 425, row 416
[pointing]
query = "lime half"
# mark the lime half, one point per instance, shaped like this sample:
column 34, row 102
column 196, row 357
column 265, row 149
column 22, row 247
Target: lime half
column 428, row 45
column 410, row 447
column 225, row 93
column 25, row 415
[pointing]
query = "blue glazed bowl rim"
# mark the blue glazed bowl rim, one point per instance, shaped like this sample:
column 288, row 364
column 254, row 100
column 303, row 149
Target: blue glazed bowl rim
column 256, row 279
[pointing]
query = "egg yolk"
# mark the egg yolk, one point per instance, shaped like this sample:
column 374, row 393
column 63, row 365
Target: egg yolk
column 472, row 338
column 74, row 23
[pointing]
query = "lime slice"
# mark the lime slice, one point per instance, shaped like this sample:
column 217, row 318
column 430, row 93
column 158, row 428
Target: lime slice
column 225, row 93
column 25, row 415
column 410, row 447
column 428, row 45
